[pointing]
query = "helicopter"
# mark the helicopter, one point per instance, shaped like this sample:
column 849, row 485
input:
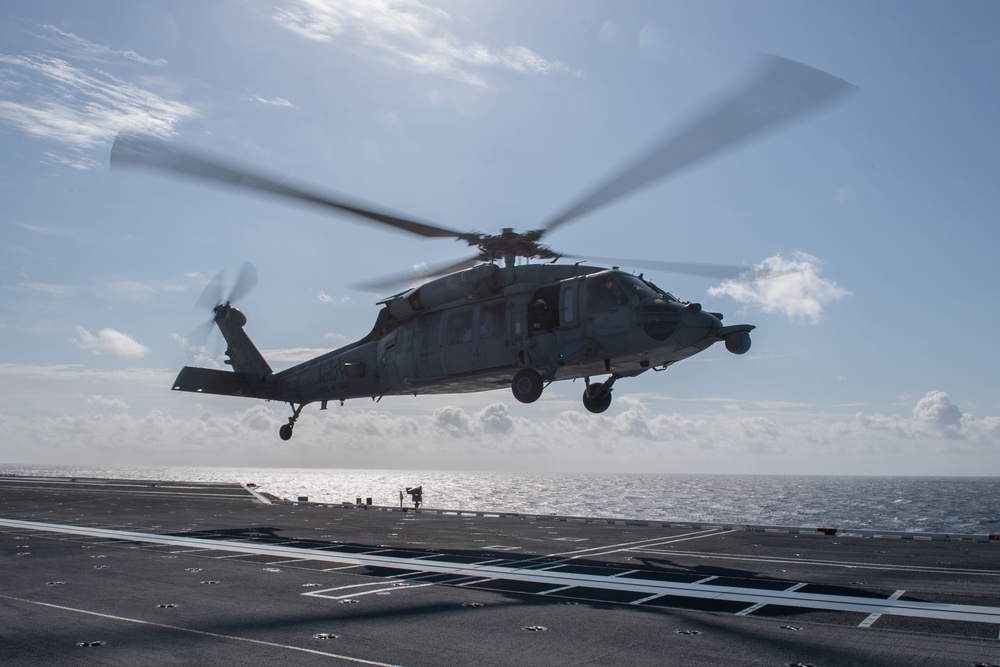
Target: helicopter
column 487, row 321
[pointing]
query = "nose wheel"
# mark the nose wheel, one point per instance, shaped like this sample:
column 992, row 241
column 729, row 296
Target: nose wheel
column 285, row 432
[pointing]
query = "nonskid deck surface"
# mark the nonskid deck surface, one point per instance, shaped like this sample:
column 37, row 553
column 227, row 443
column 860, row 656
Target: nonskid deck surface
column 114, row 571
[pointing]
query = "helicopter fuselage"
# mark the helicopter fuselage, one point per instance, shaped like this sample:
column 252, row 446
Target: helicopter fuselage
column 487, row 328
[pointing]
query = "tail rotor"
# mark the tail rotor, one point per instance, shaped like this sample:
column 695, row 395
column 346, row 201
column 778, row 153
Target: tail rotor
column 212, row 299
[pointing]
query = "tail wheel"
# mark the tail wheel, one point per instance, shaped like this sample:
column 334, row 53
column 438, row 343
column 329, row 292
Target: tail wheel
column 286, row 431
column 596, row 398
column 527, row 385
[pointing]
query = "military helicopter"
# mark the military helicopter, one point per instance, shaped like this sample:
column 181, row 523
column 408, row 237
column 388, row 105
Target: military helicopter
column 487, row 321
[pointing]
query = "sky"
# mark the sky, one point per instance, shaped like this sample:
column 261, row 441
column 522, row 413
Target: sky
column 875, row 350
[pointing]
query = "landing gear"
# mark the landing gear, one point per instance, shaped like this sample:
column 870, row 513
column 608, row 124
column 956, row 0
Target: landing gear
column 597, row 395
column 285, row 432
column 527, row 385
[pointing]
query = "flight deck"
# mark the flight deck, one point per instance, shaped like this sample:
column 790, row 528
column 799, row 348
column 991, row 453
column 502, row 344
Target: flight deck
column 115, row 572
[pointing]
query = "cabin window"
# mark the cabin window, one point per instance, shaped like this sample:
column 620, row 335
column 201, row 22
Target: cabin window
column 491, row 321
column 605, row 293
column 543, row 312
column 460, row 327
column 569, row 304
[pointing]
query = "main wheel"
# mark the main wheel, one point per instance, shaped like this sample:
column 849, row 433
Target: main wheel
column 527, row 385
column 595, row 399
column 285, row 432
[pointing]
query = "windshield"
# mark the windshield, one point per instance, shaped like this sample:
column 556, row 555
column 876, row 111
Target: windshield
column 638, row 287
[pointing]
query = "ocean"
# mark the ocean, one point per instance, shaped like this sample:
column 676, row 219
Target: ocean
column 930, row 504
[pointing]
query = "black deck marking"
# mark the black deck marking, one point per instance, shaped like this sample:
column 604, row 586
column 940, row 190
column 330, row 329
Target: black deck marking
column 382, row 571
column 395, row 553
column 823, row 589
column 810, row 615
column 652, row 575
column 599, row 594
column 351, row 549
column 697, row 604
column 762, row 584
column 513, row 586
column 455, row 558
column 590, row 569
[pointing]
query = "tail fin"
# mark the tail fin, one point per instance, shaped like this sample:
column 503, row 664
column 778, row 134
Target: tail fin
column 241, row 353
column 250, row 370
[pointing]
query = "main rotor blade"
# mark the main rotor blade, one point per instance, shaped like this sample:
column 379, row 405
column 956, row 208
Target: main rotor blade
column 141, row 151
column 781, row 90
column 684, row 268
column 410, row 277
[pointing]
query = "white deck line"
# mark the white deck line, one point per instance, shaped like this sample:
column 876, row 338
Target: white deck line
column 850, row 565
column 957, row 612
column 256, row 494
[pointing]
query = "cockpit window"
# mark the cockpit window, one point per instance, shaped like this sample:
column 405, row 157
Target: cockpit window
column 643, row 285
column 638, row 287
column 604, row 293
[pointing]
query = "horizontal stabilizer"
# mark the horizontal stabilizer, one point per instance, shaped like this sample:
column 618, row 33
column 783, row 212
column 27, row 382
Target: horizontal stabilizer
column 225, row 383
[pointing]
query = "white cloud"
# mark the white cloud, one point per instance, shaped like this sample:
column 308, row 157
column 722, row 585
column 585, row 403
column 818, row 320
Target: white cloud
column 78, row 415
column 48, row 288
column 122, row 290
column 273, row 101
column 294, row 355
column 105, row 402
column 326, row 298
column 337, row 338
column 78, row 162
column 938, row 412
column 38, row 229
column 935, row 417
column 792, row 287
column 82, row 48
column 83, row 108
column 109, row 341
column 137, row 291
column 68, row 95
column 197, row 350
column 410, row 35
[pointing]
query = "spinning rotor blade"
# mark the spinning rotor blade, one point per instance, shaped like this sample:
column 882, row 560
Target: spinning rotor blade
column 197, row 340
column 140, row 151
column 404, row 279
column 782, row 90
column 245, row 283
column 684, row 268
column 211, row 296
